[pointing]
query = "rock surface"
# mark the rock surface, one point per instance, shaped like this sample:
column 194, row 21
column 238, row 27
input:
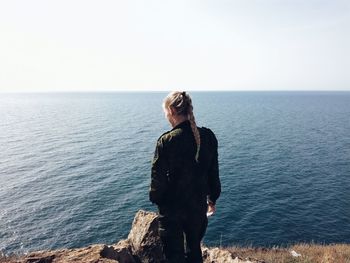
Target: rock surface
column 142, row 246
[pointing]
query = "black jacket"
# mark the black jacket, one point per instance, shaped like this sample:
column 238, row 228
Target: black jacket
column 177, row 180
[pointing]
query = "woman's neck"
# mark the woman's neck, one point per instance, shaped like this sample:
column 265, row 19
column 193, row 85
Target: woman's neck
column 178, row 119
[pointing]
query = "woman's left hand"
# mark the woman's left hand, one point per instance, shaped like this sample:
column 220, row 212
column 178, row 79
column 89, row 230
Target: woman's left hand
column 211, row 209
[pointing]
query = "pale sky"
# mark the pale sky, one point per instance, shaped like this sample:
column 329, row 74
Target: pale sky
column 103, row 45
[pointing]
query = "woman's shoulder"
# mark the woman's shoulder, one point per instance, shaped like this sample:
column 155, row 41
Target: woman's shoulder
column 207, row 131
column 168, row 135
column 209, row 135
column 163, row 136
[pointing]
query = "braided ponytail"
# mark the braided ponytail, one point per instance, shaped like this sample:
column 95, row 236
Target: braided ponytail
column 194, row 129
column 183, row 106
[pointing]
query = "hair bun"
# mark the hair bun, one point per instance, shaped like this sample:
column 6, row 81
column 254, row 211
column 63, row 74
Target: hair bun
column 183, row 93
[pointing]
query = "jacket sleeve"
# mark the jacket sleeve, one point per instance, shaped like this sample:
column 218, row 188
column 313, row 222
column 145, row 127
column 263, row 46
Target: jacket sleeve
column 159, row 175
column 213, row 176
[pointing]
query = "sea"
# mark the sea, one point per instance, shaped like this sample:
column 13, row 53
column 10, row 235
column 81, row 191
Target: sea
column 75, row 166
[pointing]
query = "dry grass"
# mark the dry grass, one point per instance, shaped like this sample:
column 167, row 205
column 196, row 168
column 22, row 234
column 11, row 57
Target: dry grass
column 310, row 253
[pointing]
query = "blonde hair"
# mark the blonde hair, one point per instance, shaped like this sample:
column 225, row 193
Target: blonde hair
column 182, row 104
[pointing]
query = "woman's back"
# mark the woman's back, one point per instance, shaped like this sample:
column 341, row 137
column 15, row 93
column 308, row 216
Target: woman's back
column 187, row 182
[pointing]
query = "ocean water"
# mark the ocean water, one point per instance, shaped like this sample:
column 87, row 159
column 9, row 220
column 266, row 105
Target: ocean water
column 75, row 167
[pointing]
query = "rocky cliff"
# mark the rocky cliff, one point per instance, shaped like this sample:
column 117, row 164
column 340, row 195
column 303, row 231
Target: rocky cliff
column 142, row 245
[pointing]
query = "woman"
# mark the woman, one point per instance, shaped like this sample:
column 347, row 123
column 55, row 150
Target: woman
column 185, row 180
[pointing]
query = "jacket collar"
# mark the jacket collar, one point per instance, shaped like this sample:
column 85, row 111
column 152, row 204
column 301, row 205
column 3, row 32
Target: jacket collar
column 183, row 124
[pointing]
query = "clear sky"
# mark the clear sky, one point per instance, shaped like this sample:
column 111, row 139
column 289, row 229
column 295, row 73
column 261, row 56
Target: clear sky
column 181, row 44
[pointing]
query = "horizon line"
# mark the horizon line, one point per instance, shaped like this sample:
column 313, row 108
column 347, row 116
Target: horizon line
column 164, row 91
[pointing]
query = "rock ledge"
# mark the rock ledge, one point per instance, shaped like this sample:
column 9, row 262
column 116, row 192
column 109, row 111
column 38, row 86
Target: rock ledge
column 142, row 246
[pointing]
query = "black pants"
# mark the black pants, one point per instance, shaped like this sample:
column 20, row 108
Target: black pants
column 177, row 228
